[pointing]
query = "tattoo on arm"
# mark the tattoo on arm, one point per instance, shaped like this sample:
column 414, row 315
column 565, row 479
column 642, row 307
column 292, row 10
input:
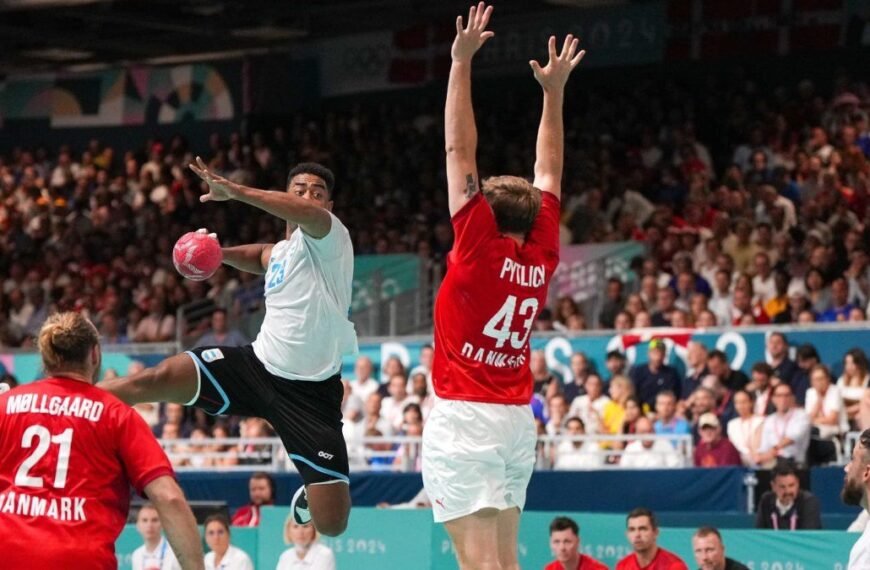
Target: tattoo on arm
column 470, row 186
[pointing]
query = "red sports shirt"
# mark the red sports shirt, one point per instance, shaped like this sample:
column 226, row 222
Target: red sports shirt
column 663, row 560
column 488, row 302
column 585, row 563
column 70, row 453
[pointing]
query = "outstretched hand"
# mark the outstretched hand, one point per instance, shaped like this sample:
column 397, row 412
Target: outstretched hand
column 470, row 37
column 557, row 70
column 219, row 188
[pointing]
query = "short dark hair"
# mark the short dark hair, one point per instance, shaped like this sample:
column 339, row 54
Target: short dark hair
column 576, row 419
column 642, row 512
column 717, row 354
column 779, row 334
column 564, row 523
column 783, row 469
column 806, row 351
column 265, row 477
column 763, row 367
column 615, row 354
column 317, row 170
column 708, row 531
column 218, row 518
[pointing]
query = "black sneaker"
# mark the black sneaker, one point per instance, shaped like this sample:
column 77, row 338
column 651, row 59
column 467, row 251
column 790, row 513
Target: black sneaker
column 299, row 506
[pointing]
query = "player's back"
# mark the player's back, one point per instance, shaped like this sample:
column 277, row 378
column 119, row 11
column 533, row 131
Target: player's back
column 487, row 305
column 70, row 453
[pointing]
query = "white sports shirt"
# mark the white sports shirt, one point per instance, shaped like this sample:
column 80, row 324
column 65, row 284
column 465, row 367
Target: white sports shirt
column 306, row 330
column 859, row 558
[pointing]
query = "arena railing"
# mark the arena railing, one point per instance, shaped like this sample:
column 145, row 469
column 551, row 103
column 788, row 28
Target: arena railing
column 403, row 453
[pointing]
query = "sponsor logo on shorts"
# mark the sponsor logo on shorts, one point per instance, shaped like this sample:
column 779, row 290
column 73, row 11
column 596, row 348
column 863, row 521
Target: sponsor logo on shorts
column 325, row 455
column 212, row 354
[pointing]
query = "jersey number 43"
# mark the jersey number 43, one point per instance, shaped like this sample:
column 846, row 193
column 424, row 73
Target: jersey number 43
column 499, row 326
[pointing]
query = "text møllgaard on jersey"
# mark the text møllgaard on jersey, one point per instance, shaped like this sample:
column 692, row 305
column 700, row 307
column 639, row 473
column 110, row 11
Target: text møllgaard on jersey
column 60, row 508
column 73, row 406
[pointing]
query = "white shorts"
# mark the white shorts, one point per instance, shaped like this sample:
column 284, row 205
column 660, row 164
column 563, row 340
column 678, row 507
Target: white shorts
column 477, row 456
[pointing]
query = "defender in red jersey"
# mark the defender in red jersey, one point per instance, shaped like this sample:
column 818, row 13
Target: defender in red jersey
column 479, row 441
column 70, row 454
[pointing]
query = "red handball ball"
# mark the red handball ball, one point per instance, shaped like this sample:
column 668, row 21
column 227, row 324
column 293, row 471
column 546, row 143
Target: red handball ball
column 197, row 255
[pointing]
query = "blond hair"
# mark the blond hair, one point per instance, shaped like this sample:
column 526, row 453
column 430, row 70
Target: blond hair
column 514, row 201
column 66, row 340
column 288, row 522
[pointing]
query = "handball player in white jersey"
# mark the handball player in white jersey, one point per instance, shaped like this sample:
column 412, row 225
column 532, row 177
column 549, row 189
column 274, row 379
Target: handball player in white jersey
column 479, row 440
column 290, row 375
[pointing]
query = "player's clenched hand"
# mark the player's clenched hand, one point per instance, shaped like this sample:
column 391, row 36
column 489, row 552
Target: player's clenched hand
column 470, row 37
column 219, row 188
column 556, row 73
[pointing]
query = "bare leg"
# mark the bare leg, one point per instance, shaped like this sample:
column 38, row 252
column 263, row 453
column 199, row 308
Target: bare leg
column 475, row 538
column 173, row 380
column 329, row 504
column 508, row 522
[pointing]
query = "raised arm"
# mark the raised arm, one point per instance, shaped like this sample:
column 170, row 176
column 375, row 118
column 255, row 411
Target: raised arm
column 307, row 214
column 460, row 133
column 550, row 147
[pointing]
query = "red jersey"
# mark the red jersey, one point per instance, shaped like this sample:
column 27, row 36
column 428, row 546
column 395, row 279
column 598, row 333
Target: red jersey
column 663, row 560
column 488, row 303
column 70, row 453
column 585, row 563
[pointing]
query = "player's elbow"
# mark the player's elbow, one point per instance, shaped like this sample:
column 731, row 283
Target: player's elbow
column 164, row 492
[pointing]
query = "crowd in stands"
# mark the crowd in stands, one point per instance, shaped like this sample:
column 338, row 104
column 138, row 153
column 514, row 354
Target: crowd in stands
column 751, row 198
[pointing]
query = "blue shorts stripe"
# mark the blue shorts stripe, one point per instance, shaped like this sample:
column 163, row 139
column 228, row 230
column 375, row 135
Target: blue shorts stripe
column 323, row 470
column 199, row 364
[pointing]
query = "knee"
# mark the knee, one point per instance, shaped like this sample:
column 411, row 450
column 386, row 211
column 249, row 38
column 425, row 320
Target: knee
column 332, row 525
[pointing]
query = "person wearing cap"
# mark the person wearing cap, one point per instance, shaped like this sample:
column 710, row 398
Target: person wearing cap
column 797, row 303
column 654, row 376
column 714, row 450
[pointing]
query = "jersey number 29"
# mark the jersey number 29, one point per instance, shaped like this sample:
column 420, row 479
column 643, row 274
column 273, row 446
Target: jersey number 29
column 45, row 439
column 499, row 326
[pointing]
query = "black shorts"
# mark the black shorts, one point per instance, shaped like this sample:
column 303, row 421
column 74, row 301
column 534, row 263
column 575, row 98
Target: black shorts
column 306, row 415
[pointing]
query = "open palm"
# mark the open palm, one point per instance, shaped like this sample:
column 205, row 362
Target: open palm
column 555, row 74
column 469, row 38
column 219, row 188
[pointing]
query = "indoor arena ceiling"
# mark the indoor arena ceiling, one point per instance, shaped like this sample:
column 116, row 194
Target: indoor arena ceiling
column 44, row 35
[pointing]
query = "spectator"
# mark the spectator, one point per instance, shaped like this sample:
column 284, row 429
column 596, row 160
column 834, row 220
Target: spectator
column 157, row 325
column 306, row 551
column 654, row 376
column 807, row 357
column 223, row 555
column 666, row 299
column 655, row 453
column 668, row 423
column 219, row 333
column 364, row 384
column 577, row 455
column 786, row 506
column 827, row 416
column 744, row 430
column 580, row 371
column 590, row 406
column 709, row 551
column 763, row 282
column 621, row 389
column 798, row 302
column 761, row 388
column 785, row 434
column 839, row 307
column 713, row 450
column 778, row 303
column 723, row 398
column 557, row 413
column 261, row 489
column 615, row 364
column 110, row 330
column 565, row 545
column 854, row 381
column 546, row 383
column 156, row 553
column 777, row 356
column 696, row 360
column 722, row 300
column 393, row 406
column 717, row 364
column 642, row 531
column 613, row 302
